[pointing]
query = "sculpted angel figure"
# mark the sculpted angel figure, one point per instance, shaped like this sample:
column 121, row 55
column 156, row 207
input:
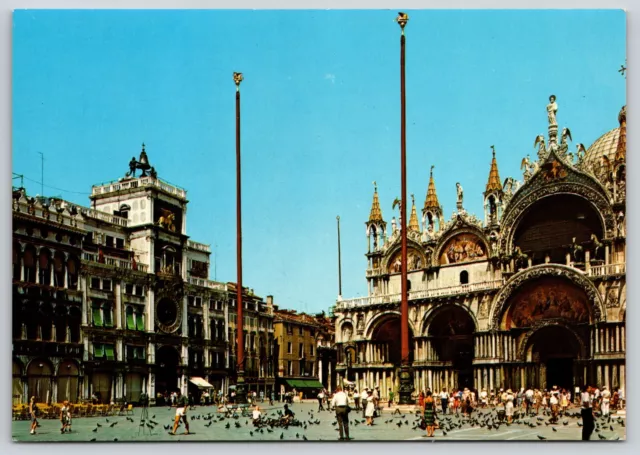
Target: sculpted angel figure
column 566, row 134
column 460, row 192
column 581, row 152
column 539, row 143
column 526, row 167
column 552, row 109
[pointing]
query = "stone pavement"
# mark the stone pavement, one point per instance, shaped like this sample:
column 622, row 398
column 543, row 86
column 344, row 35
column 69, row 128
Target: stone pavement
column 386, row 428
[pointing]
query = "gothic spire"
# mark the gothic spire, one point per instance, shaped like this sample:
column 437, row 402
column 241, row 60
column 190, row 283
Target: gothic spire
column 431, row 202
column 493, row 184
column 376, row 211
column 413, row 221
column 621, row 151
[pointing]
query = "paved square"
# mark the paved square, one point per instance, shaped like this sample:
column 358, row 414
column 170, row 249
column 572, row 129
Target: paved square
column 386, row 428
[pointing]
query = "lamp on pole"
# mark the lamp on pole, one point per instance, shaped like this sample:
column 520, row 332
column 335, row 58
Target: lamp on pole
column 406, row 376
column 240, row 386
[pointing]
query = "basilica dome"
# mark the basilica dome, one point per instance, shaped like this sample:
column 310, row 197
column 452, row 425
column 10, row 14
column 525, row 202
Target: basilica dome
column 606, row 145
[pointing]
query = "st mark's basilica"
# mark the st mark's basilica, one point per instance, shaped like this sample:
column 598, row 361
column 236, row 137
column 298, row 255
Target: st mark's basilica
column 533, row 295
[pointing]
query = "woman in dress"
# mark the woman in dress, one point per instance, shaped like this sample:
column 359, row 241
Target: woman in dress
column 421, row 400
column 564, row 401
column 370, row 409
column 429, row 414
column 508, row 407
column 33, row 413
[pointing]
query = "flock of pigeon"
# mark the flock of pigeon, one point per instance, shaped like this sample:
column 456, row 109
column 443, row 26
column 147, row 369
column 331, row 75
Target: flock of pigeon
column 272, row 422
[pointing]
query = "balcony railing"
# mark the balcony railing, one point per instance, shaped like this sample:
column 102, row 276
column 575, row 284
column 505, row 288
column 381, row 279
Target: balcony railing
column 416, row 295
column 137, row 183
column 103, row 216
column 373, row 272
column 115, row 262
column 610, row 269
column 198, row 246
column 207, row 283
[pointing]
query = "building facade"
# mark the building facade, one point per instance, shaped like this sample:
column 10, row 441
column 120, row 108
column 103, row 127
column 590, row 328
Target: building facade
column 305, row 352
column 533, row 295
column 115, row 300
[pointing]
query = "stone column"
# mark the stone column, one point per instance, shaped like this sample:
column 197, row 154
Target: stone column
column 85, row 303
column 596, row 339
column 606, row 376
column 618, row 339
column 151, row 310
column 606, row 255
column 599, row 376
column 491, row 378
column 623, row 340
column 622, row 379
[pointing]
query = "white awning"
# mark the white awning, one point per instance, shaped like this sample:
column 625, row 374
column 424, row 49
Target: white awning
column 200, row 383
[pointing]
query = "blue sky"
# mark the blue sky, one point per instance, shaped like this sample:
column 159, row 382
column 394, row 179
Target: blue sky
column 320, row 116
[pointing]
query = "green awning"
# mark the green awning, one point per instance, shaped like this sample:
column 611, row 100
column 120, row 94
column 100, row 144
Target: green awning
column 304, row 383
column 140, row 321
column 97, row 316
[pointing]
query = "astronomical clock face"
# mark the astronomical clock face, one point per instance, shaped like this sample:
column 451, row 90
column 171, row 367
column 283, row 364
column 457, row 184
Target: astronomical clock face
column 463, row 248
column 168, row 315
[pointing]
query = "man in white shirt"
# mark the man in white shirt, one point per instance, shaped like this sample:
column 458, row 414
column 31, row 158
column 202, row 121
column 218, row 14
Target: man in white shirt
column 340, row 403
column 363, row 399
column 587, row 414
column 483, row 398
column 257, row 415
column 320, row 400
column 528, row 399
column 444, row 400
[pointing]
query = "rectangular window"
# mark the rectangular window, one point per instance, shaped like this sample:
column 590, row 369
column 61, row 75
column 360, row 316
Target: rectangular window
column 131, row 325
column 140, row 321
column 311, row 350
column 98, row 351
column 190, row 300
column 301, row 347
column 95, row 283
column 109, row 351
column 97, row 315
column 289, row 348
column 120, row 243
column 139, row 290
column 290, row 368
column 301, row 330
column 106, row 285
column 107, row 311
column 109, row 241
column 128, row 288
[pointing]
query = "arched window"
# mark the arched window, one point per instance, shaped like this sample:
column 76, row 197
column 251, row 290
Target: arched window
column 72, row 272
column 58, row 270
column 16, row 262
column 46, row 319
column 464, row 277
column 45, row 264
column 29, row 262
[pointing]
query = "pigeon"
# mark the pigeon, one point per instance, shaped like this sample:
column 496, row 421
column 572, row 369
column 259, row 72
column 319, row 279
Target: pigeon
column 304, row 438
column 98, row 424
column 565, row 423
column 579, row 424
column 92, row 440
column 281, row 435
column 553, row 428
column 251, row 433
column 602, row 437
column 542, row 438
column 107, row 420
column 95, row 430
column 228, row 425
column 444, row 433
column 113, row 424
column 297, row 436
column 166, row 427
column 153, row 416
column 115, row 439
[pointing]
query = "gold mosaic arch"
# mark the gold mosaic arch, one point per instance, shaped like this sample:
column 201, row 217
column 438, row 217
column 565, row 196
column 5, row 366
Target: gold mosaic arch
column 503, row 299
column 463, row 243
column 417, row 259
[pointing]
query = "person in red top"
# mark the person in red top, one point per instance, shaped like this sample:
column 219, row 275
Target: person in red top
column 421, row 400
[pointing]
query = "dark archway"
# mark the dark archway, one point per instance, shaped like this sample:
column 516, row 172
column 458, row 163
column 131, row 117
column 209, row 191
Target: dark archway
column 39, row 379
column 168, row 363
column 451, row 331
column 387, row 335
column 68, row 381
column 551, row 224
column 554, row 349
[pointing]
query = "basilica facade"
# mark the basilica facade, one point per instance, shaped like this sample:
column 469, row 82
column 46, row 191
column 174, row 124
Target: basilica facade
column 532, row 295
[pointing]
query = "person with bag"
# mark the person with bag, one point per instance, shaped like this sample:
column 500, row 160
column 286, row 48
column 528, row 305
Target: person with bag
column 340, row 403
column 429, row 414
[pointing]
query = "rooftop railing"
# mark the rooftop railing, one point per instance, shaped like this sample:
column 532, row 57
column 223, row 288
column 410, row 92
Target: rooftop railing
column 137, row 183
column 115, row 262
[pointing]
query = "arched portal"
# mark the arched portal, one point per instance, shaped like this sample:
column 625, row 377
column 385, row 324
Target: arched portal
column 68, row 374
column 554, row 350
column 39, row 377
column 168, row 363
column 451, row 331
column 387, row 340
column 550, row 225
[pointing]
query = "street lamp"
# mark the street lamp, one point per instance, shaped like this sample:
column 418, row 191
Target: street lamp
column 406, row 376
column 240, row 386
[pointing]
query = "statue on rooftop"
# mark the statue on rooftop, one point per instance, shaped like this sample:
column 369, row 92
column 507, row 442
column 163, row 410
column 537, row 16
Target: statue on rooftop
column 552, row 109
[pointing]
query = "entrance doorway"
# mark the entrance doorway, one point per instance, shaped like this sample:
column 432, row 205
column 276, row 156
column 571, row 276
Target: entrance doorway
column 168, row 362
column 452, row 338
column 556, row 349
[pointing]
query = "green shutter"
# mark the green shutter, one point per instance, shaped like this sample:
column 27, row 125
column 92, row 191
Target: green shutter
column 130, row 323
column 109, row 350
column 108, row 316
column 98, row 351
column 141, row 353
column 140, row 321
column 97, row 316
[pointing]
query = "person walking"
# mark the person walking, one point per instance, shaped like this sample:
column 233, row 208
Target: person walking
column 508, row 407
column 429, row 414
column 370, row 409
column 606, row 397
column 182, row 403
column 587, row 414
column 320, row 400
column 65, row 417
column 271, row 397
column 363, row 399
column 444, row 400
column 340, row 402
column 390, row 397
column 356, row 399
column 33, row 413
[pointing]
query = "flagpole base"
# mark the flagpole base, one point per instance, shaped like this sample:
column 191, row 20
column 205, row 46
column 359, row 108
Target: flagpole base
column 406, row 385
